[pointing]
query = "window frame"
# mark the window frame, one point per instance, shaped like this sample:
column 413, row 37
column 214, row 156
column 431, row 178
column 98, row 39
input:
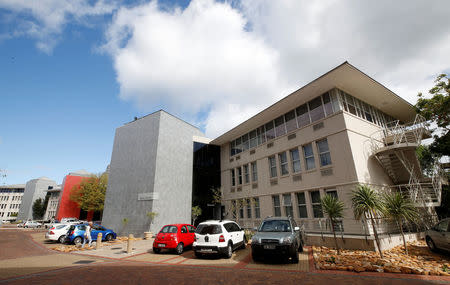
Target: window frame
column 324, row 156
column 294, row 161
column 273, row 172
column 309, row 157
column 301, row 205
column 284, row 163
column 276, row 208
column 254, row 171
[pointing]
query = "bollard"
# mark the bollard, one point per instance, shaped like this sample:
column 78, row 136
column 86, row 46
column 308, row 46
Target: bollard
column 129, row 246
column 98, row 244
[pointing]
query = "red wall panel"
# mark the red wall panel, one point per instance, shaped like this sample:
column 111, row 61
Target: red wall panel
column 68, row 208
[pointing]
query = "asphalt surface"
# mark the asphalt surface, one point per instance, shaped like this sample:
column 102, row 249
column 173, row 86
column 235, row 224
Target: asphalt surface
column 24, row 261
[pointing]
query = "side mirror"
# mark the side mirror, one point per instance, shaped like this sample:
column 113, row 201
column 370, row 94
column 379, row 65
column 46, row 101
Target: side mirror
column 296, row 229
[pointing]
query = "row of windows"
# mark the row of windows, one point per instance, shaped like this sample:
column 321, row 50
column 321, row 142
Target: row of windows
column 14, row 198
column 9, row 214
column 246, row 208
column 316, row 109
column 51, row 214
column 244, row 175
column 11, row 206
column 53, row 204
column 287, row 208
column 12, row 190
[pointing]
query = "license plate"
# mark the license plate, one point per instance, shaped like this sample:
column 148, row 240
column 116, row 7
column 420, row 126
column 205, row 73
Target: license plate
column 206, row 250
column 269, row 246
column 161, row 245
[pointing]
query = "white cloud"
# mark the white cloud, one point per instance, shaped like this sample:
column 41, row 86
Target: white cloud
column 44, row 20
column 234, row 61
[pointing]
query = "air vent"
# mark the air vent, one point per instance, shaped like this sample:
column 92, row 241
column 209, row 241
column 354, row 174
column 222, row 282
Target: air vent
column 318, row 126
column 291, row 136
column 231, row 159
column 327, row 172
column 254, row 185
column 238, row 157
column 273, row 182
column 269, row 145
column 252, row 151
column 239, row 189
column 297, row 177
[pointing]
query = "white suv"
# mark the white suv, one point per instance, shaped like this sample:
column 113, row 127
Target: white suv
column 222, row 237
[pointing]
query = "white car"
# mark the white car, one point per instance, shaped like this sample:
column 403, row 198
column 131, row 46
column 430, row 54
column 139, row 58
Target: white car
column 218, row 237
column 32, row 224
column 58, row 232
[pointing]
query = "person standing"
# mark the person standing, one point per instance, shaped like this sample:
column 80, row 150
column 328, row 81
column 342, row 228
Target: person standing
column 87, row 234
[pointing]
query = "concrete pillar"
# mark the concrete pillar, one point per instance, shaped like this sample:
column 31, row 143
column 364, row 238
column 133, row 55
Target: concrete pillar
column 98, row 244
column 129, row 244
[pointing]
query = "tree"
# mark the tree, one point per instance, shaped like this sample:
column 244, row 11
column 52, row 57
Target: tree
column 400, row 209
column 196, row 212
column 151, row 216
column 334, row 209
column 367, row 202
column 437, row 110
column 426, row 159
column 90, row 194
column 38, row 209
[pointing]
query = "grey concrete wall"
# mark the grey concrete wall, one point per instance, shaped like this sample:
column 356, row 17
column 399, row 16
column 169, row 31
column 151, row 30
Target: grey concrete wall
column 34, row 189
column 150, row 155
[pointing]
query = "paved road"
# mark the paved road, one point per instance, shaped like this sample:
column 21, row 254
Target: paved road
column 21, row 253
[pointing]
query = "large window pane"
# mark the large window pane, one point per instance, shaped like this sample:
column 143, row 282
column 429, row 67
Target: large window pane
column 249, row 208
column 280, row 128
column 253, row 139
column 288, row 205
column 303, row 118
column 232, row 148
column 316, row 109
column 233, row 178
column 254, row 172
column 309, row 156
column 238, row 145
column 350, row 104
column 327, row 104
column 283, row 163
column 316, row 204
column 257, row 211
column 246, row 174
column 261, row 135
column 272, row 167
column 291, row 123
column 301, row 201
column 270, row 131
column 276, row 206
column 324, row 152
column 239, row 175
column 295, row 157
column 245, row 142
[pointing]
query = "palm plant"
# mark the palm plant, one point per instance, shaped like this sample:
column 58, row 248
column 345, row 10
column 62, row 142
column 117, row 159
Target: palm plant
column 399, row 208
column 334, row 209
column 367, row 202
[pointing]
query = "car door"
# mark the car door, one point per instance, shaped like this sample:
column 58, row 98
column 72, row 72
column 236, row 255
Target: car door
column 95, row 230
column 440, row 234
column 447, row 237
column 191, row 230
column 184, row 235
column 238, row 234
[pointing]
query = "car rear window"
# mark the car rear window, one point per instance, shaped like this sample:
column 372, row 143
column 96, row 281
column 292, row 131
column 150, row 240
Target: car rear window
column 60, row 227
column 209, row 229
column 275, row 226
column 169, row 229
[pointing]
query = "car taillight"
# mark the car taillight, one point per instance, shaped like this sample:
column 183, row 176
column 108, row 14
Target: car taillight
column 52, row 228
column 221, row 238
column 71, row 233
column 51, row 232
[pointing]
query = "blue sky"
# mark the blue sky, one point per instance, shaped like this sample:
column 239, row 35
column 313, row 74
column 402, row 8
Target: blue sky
column 71, row 72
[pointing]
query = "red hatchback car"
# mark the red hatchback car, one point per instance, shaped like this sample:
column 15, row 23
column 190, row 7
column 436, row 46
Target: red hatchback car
column 176, row 237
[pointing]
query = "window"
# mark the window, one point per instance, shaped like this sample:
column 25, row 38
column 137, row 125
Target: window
column 327, row 104
column 246, row 174
column 245, row 142
column 238, row 145
column 233, row 148
column 316, row 204
column 332, row 192
column 272, row 167
column 291, row 123
column 276, row 206
column 233, row 178
column 253, row 139
column 254, row 172
column 324, row 152
column 367, row 113
column 316, row 109
column 257, row 211
column 241, row 209
column 280, row 128
column 270, row 131
column 239, row 175
column 301, row 201
column 283, row 163
column 288, row 205
column 249, row 209
column 350, row 103
column 302, row 115
column 295, row 158
column 309, row 156
column 261, row 135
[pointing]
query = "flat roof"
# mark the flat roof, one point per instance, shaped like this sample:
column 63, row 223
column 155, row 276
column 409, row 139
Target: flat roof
column 345, row 77
column 14, row 186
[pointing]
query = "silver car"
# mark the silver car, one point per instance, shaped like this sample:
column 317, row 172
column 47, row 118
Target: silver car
column 438, row 237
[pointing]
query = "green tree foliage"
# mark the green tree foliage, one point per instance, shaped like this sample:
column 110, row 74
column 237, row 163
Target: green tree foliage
column 426, row 159
column 90, row 194
column 443, row 211
column 366, row 202
column 334, row 210
column 196, row 212
column 151, row 216
column 400, row 209
column 437, row 110
column 38, row 209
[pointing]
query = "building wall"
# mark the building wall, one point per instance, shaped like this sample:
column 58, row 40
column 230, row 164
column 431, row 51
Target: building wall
column 52, row 206
column 10, row 200
column 150, row 155
column 34, row 189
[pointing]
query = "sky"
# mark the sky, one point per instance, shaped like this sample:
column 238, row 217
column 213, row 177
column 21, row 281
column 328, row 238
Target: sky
column 72, row 71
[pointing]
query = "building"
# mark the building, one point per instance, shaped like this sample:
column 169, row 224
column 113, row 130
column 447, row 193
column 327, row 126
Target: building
column 66, row 207
column 341, row 130
column 53, row 202
column 151, row 170
column 34, row 189
column 10, row 200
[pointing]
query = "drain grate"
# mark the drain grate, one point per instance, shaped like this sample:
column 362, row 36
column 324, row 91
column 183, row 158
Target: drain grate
column 83, row 261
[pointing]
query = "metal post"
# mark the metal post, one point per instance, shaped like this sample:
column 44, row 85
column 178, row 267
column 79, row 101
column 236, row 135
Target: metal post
column 98, row 244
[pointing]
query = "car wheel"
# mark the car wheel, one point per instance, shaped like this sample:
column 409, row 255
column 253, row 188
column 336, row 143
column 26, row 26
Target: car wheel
column 198, row 254
column 109, row 237
column 179, row 249
column 26, row 227
column 256, row 257
column 294, row 257
column 62, row 239
column 229, row 252
column 156, row 250
column 431, row 244
column 77, row 240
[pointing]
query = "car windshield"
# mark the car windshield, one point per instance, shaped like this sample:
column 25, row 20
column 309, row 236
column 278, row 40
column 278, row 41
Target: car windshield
column 275, row 226
column 169, row 229
column 208, row 229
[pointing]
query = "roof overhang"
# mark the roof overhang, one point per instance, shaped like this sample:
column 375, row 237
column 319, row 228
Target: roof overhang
column 345, row 77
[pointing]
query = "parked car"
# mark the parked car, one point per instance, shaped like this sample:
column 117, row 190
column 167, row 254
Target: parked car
column 58, row 233
column 70, row 220
column 76, row 233
column 50, row 223
column 278, row 236
column 20, row 224
column 438, row 237
column 177, row 236
column 218, row 237
column 32, row 224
